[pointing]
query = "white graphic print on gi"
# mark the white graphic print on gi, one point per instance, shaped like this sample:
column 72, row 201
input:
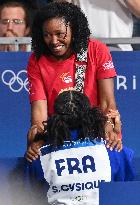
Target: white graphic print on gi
column 75, row 171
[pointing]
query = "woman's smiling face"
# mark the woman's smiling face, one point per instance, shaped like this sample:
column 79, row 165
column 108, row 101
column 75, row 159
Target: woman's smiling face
column 58, row 37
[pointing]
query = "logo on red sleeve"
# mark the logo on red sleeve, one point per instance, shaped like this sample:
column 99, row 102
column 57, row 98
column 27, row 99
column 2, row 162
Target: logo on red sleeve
column 108, row 65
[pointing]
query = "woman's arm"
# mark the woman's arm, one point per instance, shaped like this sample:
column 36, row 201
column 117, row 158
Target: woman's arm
column 107, row 103
column 106, row 94
column 38, row 115
column 38, row 111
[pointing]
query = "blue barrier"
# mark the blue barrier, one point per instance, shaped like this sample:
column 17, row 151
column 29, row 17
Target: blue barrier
column 121, row 193
column 15, row 108
column 127, row 86
column 14, row 104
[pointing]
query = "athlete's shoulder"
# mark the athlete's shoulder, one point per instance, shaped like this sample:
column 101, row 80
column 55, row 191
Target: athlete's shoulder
column 121, row 164
column 126, row 154
column 35, row 169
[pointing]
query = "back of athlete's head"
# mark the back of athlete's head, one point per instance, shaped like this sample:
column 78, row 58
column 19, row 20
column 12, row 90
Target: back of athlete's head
column 73, row 112
column 72, row 107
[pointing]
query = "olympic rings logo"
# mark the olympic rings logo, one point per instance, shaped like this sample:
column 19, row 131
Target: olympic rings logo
column 16, row 82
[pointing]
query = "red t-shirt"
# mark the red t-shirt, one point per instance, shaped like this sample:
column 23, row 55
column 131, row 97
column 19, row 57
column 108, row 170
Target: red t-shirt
column 48, row 77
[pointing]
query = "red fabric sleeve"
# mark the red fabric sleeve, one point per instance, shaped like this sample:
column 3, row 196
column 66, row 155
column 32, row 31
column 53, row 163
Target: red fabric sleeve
column 36, row 86
column 103, row 59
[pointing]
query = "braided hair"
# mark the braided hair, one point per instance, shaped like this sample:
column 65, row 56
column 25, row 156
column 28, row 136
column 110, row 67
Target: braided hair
column 72, row 15
column 73, row 111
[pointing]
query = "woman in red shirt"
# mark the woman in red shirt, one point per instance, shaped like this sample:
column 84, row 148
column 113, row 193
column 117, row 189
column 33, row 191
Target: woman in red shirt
column 65, row 58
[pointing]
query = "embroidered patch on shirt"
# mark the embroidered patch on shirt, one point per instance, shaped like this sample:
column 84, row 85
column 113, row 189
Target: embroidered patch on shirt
column 108, row 65
column 66, row 78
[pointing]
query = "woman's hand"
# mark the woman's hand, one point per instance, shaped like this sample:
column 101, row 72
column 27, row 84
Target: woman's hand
column 113, row 142
column 113, row 129
column 38, row 128
column 114, row 115
column 32, row 152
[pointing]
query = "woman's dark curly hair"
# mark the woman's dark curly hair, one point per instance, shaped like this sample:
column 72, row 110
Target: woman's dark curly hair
column 73, row 112
column 72, row 15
